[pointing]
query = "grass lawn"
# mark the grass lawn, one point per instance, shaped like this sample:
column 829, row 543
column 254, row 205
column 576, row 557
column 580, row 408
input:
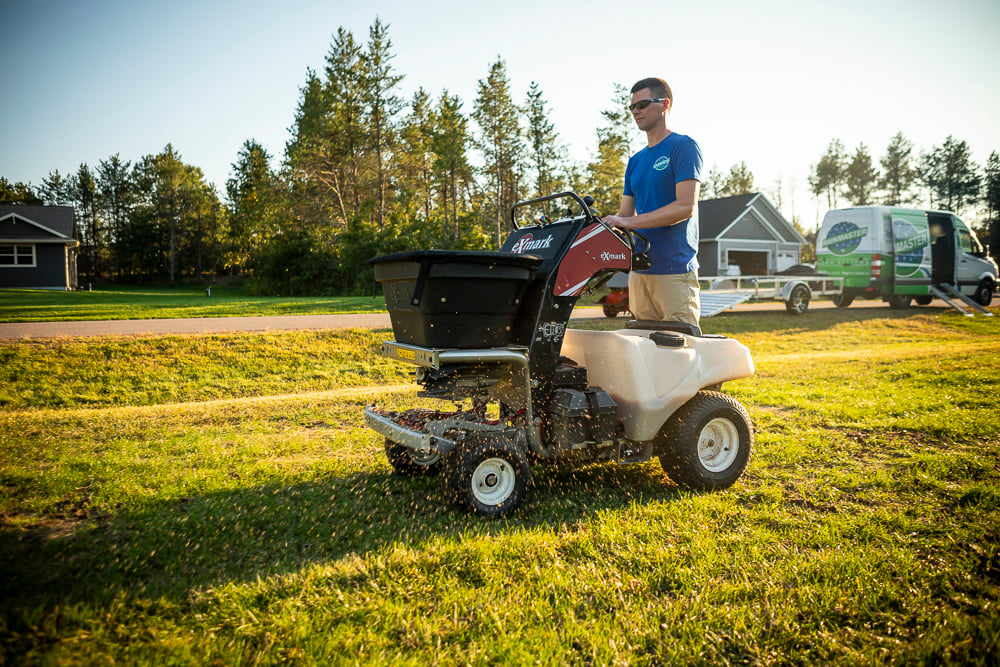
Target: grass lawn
column 217, row 500
column 141, row 303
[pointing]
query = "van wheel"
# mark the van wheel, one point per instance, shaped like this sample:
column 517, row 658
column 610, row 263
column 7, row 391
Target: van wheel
column 798, row 300
column 706, row 445
column 924, row 300
column 842, row 300
column 900, row 301
column 984, row 292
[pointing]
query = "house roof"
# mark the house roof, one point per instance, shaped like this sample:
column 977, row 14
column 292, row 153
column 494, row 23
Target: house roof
column 716, row 217
column 36, row 224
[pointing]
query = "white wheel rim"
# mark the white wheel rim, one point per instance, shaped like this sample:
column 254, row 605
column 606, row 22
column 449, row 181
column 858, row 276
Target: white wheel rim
column 718, row 445
column 493, row 481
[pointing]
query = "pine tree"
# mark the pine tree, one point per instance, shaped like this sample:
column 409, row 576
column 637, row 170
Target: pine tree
column 828, row 174
column 117, row 197
column 451, row 163
column 499, row 141
column 860, row 177
column 739, row 181
column 951, row 176
column 543, row 143
column 378, row 83
column 606, row 172
column 898, row 173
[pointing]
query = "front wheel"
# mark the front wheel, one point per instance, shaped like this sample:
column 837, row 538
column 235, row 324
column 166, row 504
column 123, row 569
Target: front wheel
column 984, row 292
column 707, row 444
column 489, row 476
column 798, row 300
column 407, row 462
column 610, row 311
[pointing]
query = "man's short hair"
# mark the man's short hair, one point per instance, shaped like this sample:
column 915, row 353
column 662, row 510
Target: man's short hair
column 658, row 87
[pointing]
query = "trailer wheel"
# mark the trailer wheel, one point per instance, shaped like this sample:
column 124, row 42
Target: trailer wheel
column 707, row 444
column 610, row 311
column 798, row 300
column 407, row 462
column 488, row 475
column 842, row 300
column 984, row 292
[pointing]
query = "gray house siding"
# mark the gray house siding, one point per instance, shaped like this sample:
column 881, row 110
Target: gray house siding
column 745, row 231
column 37, row 248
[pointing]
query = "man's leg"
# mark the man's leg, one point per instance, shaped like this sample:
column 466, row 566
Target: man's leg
column 640, row 300
column 677, row 297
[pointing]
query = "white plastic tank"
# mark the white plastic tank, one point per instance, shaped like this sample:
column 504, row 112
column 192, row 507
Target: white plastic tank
column 650, row 382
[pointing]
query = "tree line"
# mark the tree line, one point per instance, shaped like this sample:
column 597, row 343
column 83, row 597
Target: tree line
column 366, row 172
column 944, row 177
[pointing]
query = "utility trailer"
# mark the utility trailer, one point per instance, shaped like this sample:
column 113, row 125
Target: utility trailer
column 720, row 293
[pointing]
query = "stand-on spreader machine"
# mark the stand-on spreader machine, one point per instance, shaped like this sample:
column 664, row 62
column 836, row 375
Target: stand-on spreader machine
column 487, row 332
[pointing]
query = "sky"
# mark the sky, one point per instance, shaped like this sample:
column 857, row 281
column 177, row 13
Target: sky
column 769, row 82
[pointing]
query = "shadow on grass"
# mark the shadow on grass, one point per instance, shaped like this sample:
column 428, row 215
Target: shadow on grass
column 168, row 548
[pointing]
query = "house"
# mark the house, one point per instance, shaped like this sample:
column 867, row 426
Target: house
column 745, row 235
column 37, row 248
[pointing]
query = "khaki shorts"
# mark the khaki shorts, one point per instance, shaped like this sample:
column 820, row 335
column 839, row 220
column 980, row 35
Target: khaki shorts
column 665, row 298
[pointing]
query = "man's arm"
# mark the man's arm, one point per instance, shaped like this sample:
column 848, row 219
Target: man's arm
column 676, row 211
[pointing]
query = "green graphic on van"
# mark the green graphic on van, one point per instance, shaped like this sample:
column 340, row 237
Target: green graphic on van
column 844, row 238
column 909, row 245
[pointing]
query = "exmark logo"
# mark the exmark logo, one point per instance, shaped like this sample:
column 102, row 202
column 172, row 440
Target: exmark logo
column 527, row 243
column 608, row 256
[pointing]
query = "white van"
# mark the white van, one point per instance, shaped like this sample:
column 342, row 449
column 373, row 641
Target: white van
column 898, row 254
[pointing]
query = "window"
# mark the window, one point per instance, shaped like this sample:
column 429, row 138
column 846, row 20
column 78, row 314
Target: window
column 17, row 255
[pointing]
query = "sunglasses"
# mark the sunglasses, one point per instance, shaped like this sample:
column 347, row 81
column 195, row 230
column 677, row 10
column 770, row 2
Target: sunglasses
column 642, row 104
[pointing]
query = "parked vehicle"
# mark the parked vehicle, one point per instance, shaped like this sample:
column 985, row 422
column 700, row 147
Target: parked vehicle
column 616, row 300
column 904, row 255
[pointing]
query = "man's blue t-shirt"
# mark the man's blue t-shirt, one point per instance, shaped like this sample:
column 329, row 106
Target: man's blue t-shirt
column 651, row 178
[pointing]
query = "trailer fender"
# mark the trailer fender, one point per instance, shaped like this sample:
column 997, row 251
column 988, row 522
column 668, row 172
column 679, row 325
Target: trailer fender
column 787, row 288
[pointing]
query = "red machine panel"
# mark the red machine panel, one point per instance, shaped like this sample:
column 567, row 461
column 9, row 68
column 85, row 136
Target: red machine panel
column 595, row 249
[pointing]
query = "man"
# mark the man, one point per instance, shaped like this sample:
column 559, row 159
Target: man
column 662, row 183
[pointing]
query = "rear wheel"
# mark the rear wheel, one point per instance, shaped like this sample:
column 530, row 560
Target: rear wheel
column 707, row 443
column 900, row 301
column 923, row 300
column 407, row 462
column 610, row 311
column 984, row 292
column 798, row 300
column 488, row 475
column 842, row 300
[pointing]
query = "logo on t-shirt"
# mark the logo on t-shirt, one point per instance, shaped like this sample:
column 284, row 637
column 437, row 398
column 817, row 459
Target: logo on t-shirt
column 661, row 163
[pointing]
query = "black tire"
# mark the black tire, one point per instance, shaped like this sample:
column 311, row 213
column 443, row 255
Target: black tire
column 900, row 301
column 610, row 311
column 407, row 462
column 923, row 300
column 984, row 292
column 707, row 444
column 842, row 300
column 798, row 300
column 488, row 475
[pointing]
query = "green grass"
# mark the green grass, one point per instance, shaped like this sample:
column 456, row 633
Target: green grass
column 230, row 507
column 166, row 303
